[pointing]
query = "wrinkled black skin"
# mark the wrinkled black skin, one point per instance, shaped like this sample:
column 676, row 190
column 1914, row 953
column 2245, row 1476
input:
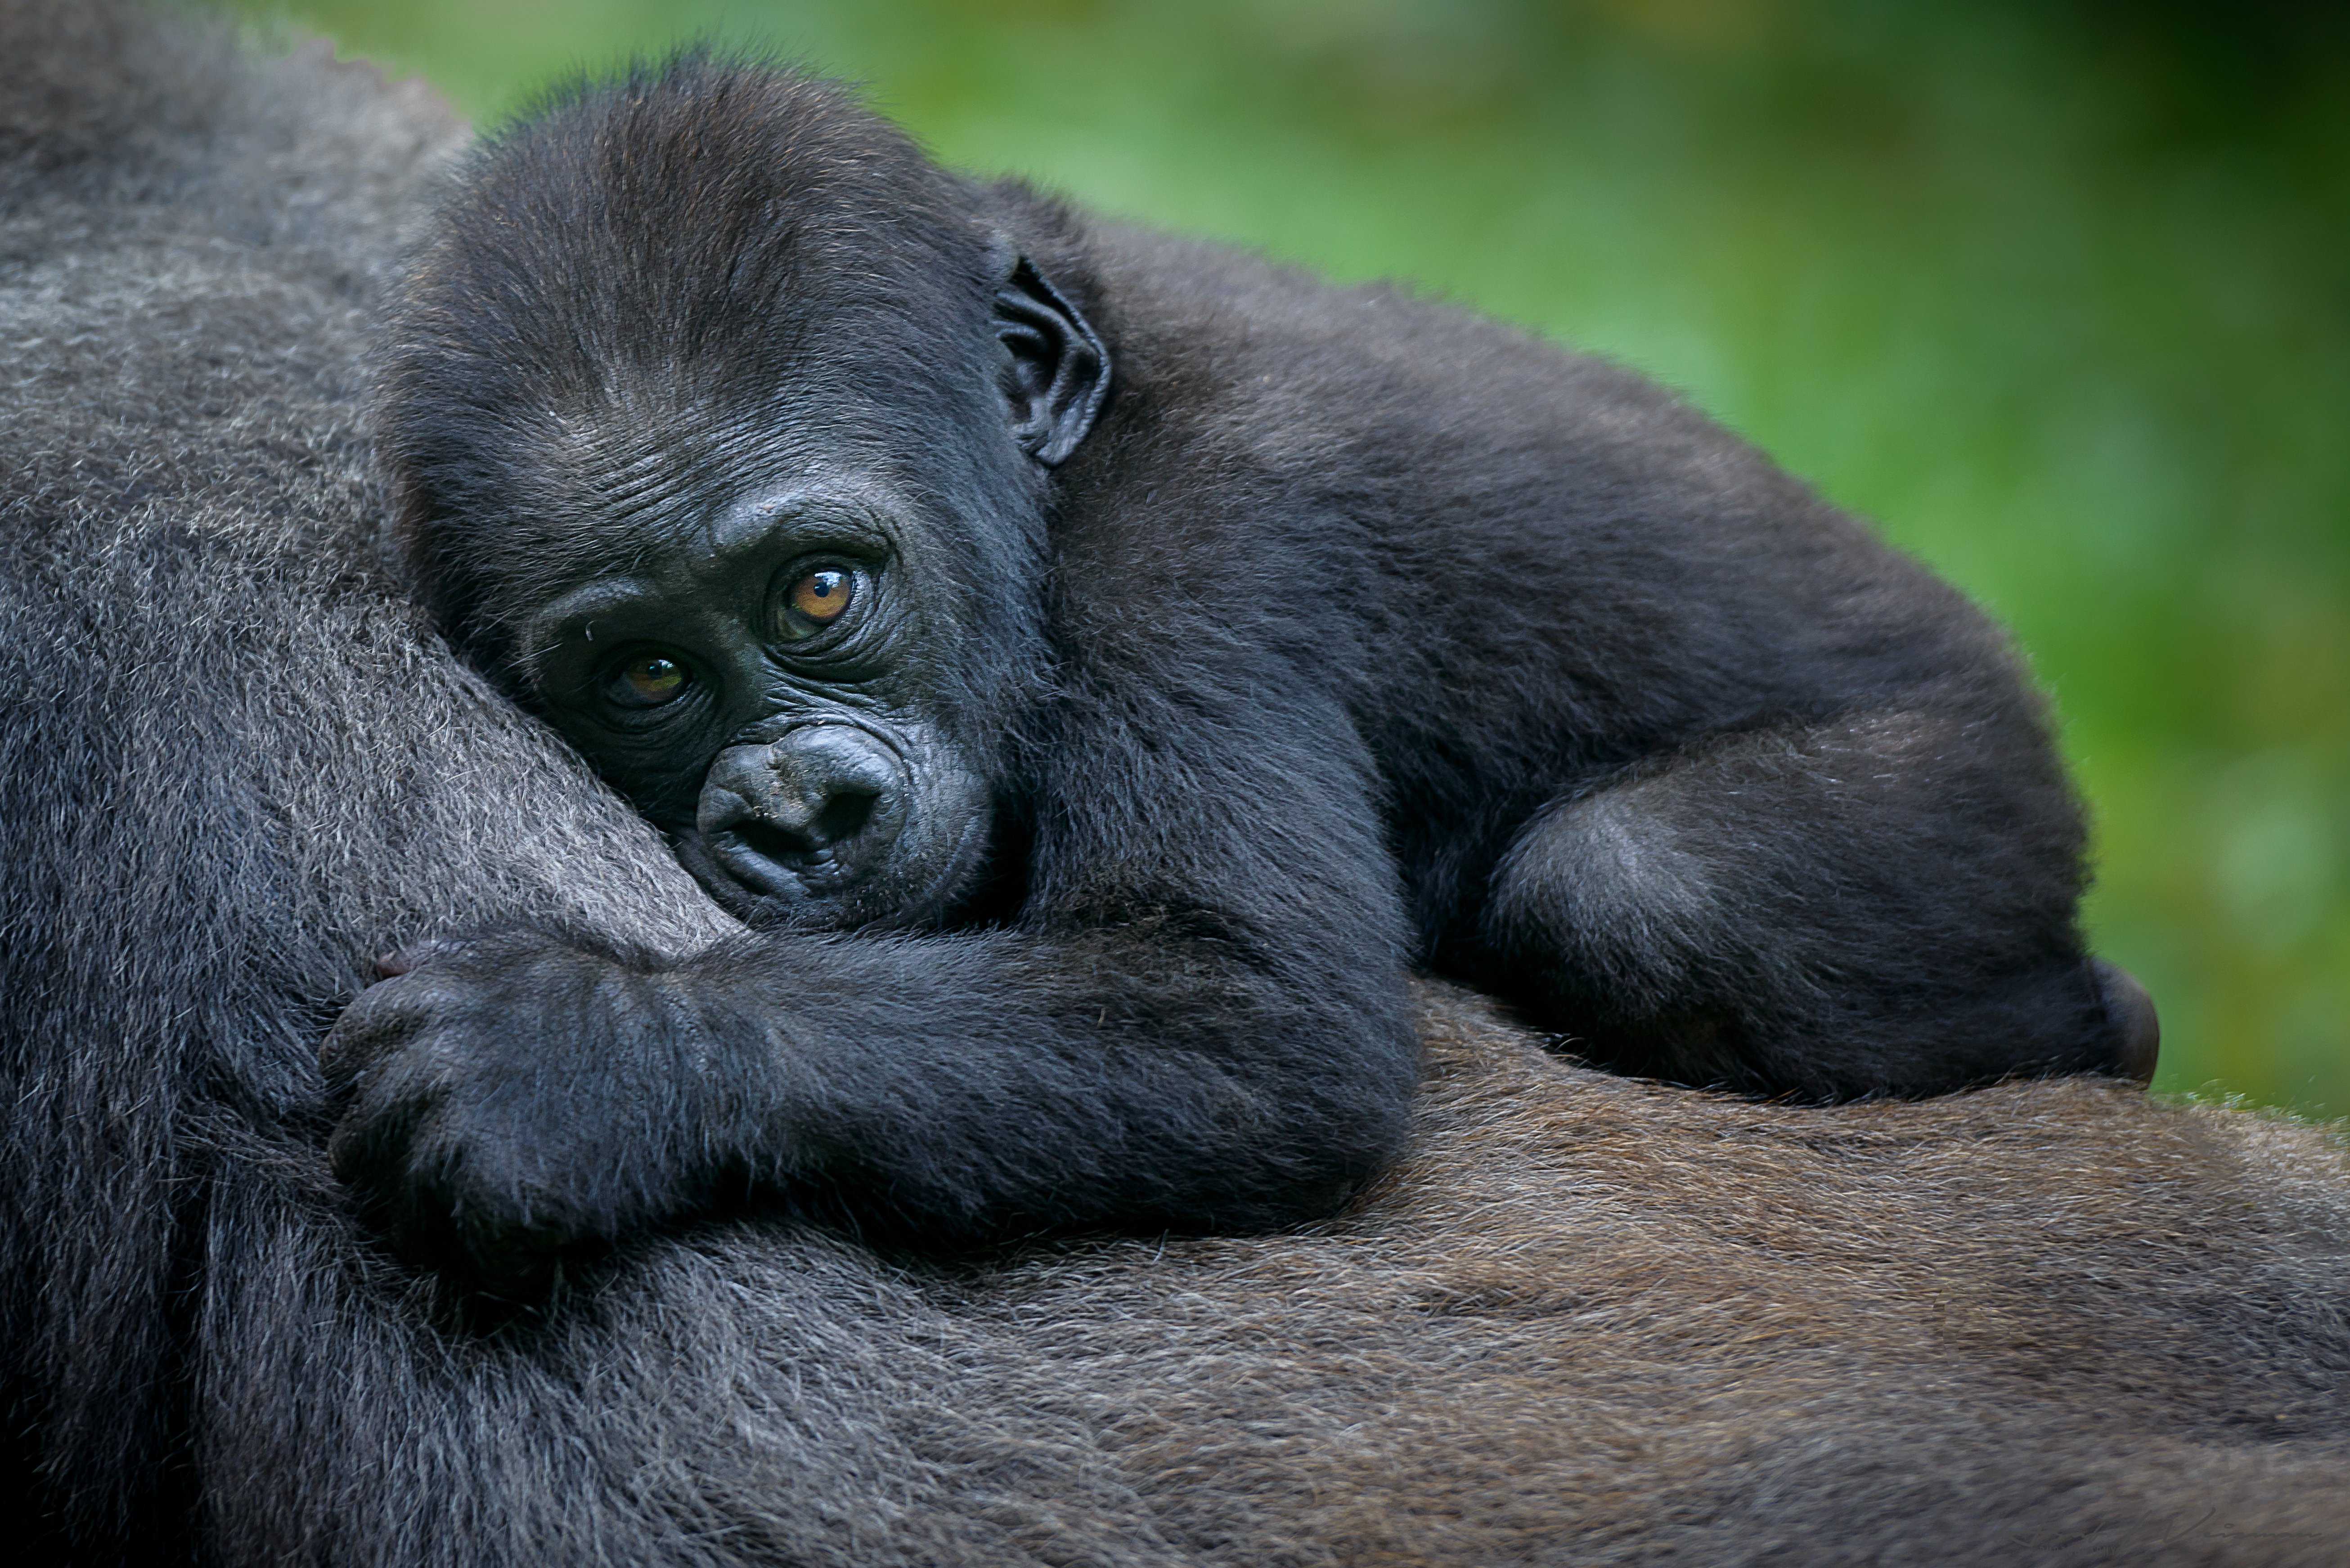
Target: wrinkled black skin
column 1278, row 637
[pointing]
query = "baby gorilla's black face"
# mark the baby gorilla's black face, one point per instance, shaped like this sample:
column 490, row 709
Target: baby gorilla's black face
column 756, row 679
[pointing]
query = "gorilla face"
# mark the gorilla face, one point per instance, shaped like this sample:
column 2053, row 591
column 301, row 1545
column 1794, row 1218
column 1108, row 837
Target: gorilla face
column 760, row 684
column 771, row 556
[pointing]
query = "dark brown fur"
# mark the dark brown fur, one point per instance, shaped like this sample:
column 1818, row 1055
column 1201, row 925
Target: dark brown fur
column 1594, row 1321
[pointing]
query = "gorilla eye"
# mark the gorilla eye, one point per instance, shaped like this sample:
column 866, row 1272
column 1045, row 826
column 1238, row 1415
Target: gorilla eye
column 816, row 600
column 648, row 680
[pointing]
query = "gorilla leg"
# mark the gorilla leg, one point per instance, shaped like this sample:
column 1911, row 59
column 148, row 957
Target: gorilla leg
column 1801, row 905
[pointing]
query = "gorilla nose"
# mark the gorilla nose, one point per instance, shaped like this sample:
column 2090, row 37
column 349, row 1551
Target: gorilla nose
column 810, row 814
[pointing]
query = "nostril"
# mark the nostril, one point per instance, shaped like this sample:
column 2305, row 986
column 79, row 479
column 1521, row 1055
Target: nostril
column 842, row 817
column 846, row 812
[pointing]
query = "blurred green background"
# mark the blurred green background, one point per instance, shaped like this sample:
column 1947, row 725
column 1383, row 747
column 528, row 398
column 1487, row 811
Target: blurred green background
column 2058, row 292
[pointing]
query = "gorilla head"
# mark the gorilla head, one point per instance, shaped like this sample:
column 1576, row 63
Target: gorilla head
column 763, row 434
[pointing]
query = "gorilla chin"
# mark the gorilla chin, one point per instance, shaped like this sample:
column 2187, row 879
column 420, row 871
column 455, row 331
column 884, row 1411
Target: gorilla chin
column 831, row 826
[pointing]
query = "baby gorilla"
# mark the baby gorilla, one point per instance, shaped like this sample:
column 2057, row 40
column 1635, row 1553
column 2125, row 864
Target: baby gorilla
column 1096, row 668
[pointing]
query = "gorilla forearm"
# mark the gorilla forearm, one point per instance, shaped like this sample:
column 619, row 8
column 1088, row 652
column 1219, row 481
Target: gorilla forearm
column 1153, row 1081
column 517, row 1095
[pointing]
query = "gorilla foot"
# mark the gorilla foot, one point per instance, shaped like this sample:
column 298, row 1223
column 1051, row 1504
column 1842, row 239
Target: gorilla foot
column 2134, row 1019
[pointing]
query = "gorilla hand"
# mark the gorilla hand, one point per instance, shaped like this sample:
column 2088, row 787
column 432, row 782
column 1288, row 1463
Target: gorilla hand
column 511, row 1100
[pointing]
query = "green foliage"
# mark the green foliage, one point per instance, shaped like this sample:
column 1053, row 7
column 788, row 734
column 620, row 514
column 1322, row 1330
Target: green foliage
column 2056, row 292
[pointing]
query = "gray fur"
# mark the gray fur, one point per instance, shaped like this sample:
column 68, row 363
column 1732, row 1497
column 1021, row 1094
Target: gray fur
column 1588, row 1320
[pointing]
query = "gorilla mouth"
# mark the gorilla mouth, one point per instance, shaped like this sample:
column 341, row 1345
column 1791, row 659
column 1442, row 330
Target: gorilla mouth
column 780, row 862
column 766, row 872
column 826, row 846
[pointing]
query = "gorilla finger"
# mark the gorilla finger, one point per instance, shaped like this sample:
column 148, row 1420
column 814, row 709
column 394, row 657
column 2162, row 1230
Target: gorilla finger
column 363, row 1036
column 433, row 1229
column 416, row 955
column 386, row 1017
column 514, row 1269
column 369, row 1150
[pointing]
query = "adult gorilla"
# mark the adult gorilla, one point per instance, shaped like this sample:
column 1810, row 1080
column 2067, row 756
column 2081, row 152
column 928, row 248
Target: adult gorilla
column 856, row 521
column 1588, row 1320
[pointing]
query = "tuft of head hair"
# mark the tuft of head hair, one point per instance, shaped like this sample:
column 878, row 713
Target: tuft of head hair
column 707, row 238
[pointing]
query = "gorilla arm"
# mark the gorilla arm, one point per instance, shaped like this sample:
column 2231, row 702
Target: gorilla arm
column 1173, row 1034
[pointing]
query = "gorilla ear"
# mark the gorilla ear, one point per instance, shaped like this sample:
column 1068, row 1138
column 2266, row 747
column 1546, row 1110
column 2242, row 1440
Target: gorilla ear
column 1059, row 371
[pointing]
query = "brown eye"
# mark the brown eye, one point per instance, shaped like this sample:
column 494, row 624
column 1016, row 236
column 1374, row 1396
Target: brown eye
column 816, row 600
column 649, row 681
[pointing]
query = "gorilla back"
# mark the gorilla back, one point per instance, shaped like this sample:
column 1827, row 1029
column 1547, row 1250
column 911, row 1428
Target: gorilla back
column 1147, row 653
